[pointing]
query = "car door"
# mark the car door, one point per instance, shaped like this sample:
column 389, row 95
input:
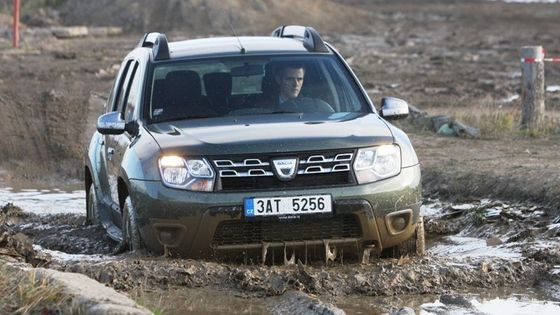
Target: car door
column 110, row 106
column 116, row 145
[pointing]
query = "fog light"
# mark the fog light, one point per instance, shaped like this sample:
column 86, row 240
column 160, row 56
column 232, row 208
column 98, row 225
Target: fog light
column 169, row 237
column 399, row 223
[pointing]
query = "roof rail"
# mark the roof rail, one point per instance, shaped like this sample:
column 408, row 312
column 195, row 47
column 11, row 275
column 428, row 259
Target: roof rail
column 158, row 43
column 311, row 39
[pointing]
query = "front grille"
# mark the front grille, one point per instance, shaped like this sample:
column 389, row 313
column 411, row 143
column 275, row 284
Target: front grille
column 257, row 173
column 238, row 232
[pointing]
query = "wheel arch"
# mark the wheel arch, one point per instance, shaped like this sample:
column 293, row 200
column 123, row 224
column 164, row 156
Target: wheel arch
column 122, row 188
column 88, row 178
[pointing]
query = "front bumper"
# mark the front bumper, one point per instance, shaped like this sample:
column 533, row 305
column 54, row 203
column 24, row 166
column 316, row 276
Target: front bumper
column 187, row 222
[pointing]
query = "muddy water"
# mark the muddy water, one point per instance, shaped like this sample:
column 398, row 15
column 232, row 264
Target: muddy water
column 484, row 234
column 496, row 301
column 45, row 200
column 215, row 301
column 203, row 301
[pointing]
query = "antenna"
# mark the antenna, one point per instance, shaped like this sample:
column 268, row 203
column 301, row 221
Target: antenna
column 235, row 34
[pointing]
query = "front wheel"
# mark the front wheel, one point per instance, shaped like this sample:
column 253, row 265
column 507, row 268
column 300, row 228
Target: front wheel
column 415, row 245
column 131, row 233
column 92, row 207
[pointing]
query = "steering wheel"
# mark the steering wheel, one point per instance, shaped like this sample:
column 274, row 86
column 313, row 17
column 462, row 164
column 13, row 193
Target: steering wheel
column 307, row 105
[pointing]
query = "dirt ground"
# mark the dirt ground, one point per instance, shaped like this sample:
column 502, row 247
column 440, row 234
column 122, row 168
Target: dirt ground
column 446, row 57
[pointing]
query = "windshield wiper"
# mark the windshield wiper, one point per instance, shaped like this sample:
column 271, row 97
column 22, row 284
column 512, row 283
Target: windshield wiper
column 284, row 112
column 180, row 118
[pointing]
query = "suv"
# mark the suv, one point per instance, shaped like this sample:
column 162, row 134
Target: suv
column 234, row 145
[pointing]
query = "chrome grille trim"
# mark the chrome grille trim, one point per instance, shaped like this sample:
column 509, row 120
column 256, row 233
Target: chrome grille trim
column 250, row 173
column 316, row 159
column 344, row 157
column 246, row 162
column 237, row 170
column 341, row 168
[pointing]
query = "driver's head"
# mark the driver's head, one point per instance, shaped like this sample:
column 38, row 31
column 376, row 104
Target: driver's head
column 290, row 80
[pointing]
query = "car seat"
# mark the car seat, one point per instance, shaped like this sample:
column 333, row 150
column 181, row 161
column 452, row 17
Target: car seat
column 218, row 91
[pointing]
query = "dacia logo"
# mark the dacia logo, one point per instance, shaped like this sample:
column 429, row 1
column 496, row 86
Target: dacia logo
column 285, row 169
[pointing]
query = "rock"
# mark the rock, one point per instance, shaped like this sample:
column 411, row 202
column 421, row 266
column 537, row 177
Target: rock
column 440, row 120
column 456, row 300
column 465, row 131
column 276, row 285
column 493, row 241
column 404, row 311
column 69, row 32
column 446, row 130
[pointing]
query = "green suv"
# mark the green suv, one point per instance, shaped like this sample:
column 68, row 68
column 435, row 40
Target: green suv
column 256, row 146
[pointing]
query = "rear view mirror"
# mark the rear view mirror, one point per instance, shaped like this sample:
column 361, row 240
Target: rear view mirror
column 111, row 124
column 247, row 70
column 393, row 108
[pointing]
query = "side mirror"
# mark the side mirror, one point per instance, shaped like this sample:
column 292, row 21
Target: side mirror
column 111, row 124
column 393, row 108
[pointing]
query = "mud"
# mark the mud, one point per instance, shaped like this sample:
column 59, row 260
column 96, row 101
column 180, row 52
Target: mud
column 480, row 245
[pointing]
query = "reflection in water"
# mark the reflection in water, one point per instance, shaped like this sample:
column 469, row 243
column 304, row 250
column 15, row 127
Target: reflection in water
column 214, row 301
column 45, row 201
column 496, row 301
column 203, row 301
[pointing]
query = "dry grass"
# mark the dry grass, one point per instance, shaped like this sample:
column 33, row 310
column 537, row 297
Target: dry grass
column 23, row 293
column 496, row 120
column 156, row 305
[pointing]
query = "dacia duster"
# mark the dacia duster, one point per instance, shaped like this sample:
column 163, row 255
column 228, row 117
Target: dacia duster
column 251, row 144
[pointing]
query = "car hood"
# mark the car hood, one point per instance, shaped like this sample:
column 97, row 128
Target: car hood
column 270, row 133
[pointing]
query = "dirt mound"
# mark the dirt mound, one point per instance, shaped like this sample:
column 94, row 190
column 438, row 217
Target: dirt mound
column 212, row 16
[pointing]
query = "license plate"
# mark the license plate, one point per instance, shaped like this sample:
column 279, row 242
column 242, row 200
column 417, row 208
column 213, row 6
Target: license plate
column 288, row 205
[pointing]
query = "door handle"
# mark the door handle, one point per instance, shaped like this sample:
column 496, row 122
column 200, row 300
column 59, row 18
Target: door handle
column 110, row 152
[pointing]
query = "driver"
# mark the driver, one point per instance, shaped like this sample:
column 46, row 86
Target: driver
column 289, row 80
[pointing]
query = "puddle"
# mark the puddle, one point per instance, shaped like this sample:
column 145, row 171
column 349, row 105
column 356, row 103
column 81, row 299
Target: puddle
column 487, row 302
column 517, row 304
column 462, row 247
column 62, row 257
column 45, row 201
column 215, row 301
column 202, row 301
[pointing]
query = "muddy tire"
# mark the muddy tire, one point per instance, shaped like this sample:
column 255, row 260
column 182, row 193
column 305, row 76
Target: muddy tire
column 131, row 233
column 92, row 207
column 414, row 246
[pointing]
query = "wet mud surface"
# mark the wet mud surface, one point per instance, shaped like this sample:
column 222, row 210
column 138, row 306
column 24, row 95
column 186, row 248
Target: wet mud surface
column 475, row 246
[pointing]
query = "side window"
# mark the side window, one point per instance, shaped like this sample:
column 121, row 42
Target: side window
column 117, row 87
column 123, row 95
column 133, row 94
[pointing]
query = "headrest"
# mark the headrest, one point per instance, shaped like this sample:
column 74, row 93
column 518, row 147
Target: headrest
column 217, row 84
column 183, row 80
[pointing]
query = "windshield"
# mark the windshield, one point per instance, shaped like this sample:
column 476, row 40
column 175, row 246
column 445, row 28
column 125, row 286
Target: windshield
column 252, row 85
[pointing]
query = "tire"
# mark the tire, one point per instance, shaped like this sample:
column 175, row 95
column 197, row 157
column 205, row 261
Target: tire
column 92, row 207
column 414, row 246
column 131, row 233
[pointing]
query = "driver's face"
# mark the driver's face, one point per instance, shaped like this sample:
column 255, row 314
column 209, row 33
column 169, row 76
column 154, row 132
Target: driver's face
column 290, row 81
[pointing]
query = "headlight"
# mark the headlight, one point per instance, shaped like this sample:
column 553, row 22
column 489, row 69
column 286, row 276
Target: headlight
column 191, row 174
column 376, row 163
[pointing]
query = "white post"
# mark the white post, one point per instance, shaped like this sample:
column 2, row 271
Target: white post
column 532, row 89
